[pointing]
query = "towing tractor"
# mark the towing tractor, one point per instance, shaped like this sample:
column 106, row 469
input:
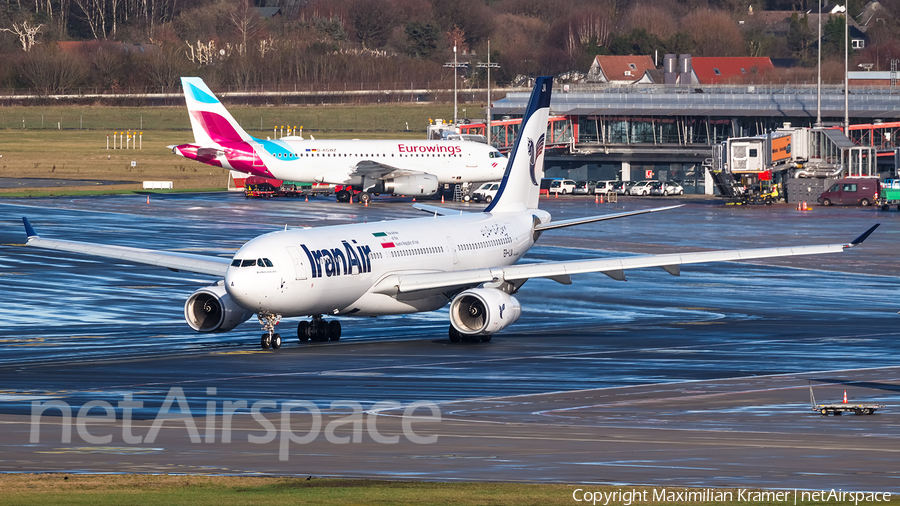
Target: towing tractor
column 889, row 194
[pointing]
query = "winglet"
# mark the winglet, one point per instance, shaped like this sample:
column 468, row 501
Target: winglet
column 29, row 230
column 863, row 237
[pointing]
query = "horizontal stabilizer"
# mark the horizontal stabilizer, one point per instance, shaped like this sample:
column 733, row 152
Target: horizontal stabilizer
column 591, row 219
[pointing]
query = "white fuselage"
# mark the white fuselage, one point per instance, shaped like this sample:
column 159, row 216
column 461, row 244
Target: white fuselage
column 331, row 270
column 335, row 161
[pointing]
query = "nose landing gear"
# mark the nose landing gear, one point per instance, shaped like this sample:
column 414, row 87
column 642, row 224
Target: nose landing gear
column 270, row 339
column 319, row 330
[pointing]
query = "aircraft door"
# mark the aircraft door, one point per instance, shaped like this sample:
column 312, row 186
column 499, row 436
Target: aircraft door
column 452, row 246
column 299, row 260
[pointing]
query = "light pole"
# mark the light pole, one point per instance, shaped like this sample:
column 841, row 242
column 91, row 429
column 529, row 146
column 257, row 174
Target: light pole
column 819, row 80
column 488, row 66
column 455, row 66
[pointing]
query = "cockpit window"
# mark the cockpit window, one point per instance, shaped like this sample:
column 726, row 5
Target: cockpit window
column 259, row 262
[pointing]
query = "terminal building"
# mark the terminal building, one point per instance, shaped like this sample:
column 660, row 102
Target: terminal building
column 664, row 131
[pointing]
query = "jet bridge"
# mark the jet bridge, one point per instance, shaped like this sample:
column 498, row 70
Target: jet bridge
column 805, row 161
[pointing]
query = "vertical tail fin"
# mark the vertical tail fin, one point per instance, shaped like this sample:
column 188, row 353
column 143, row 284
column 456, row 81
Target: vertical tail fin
column 521, row 186
column 211, row 122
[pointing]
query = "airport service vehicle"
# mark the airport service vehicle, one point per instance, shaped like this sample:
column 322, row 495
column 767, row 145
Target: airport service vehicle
column 401, row 167
column 468, row 260
column 889, row 194
column 851, row 191
column 604, row 187
column 584, row 187
column 255, row 186
column 838, row 409
column 641, row 187
column 486, row 192
column 562, row 186
column 666, row 188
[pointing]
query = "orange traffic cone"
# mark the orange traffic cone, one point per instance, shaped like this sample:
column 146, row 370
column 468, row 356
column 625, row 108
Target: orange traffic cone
column 845, row 397
column 601, row 199
column 306, row 198
column 414, row 199
column 351, row 197
column 442, row 199
column 596, row 199
column 556, row 195
column 367, row 204
column 148, row 199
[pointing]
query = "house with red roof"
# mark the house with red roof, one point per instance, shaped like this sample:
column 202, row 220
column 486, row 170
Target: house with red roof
column 619, row 69
column 730, row 69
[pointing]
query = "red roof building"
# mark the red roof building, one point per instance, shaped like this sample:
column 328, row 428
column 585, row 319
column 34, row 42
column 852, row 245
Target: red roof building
column 619, row 69
column 730, row 69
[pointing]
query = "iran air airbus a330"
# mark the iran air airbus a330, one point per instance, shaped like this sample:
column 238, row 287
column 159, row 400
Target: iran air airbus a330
column 404, row 266
column 403, row 167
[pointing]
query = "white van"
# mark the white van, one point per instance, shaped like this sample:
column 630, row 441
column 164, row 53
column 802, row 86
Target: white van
column 486, row 192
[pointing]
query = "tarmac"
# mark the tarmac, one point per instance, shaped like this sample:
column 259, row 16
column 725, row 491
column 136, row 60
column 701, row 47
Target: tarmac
column 700, row 380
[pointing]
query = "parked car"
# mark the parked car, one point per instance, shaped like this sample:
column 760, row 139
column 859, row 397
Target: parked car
column 641, row 187
column 851, row 191
column 486, row 192
column 605, row 186
column 562, row 186
column 621, row 187
column 584, row 187
column 666, row 188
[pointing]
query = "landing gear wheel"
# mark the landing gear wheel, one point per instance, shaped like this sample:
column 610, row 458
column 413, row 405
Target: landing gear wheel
column 343, row 196
column 303, row 331
column 265, row 341
column 334, row 330
column 826, row 202
column 276, row 341
column 364, row 197
column 454, row 335
column 321, row 330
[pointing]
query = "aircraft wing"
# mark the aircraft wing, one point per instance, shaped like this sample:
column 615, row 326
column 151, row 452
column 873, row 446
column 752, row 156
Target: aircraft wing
column 378, row 170
column 201, row 264
column 440, row 211
column 612, row 267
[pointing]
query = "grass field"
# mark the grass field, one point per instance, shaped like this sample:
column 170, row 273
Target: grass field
column 75, row 153
column 149, row 490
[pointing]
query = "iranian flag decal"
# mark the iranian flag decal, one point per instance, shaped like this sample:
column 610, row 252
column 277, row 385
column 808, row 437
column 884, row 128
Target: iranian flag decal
column 385, row 243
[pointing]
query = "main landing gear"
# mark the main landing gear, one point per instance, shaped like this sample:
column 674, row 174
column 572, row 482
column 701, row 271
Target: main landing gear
column 319, row 330
column 361, row 197
column 270, row 339
column 456, row 336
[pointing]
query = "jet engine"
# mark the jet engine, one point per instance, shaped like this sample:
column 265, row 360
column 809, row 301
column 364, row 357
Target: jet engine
column 482, row 311
column 211, row 309
column 416, row 184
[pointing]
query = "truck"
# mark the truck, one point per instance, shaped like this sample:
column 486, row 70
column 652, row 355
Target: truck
column 889, row 194
column 261, row 187
column 838, row 409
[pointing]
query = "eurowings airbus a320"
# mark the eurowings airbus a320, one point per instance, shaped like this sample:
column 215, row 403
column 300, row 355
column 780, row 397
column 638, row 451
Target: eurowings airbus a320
column 404, row 266
column 403, row 167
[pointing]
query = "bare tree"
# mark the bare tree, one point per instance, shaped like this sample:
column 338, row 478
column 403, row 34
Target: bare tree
column 94, row 15
column 246, row 22
column 26, row 34
column 52, row 72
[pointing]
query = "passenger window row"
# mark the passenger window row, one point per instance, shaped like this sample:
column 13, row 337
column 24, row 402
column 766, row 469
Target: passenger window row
column 486, row 244
column 417, row 251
